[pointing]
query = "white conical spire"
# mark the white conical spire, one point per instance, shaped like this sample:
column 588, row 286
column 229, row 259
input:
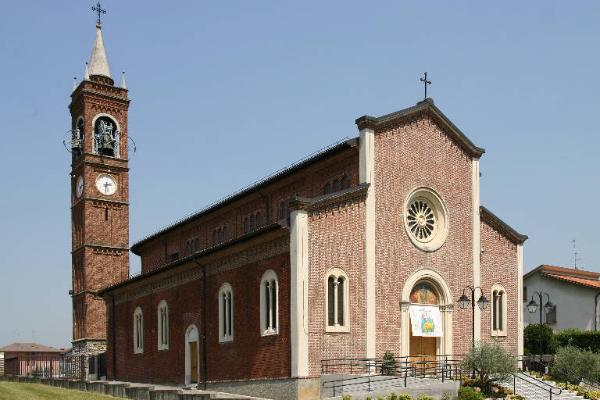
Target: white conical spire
column 123, row 83
column 99, row 60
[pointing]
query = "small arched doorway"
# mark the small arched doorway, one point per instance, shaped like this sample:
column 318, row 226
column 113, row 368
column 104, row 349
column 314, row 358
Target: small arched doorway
column 192, row 361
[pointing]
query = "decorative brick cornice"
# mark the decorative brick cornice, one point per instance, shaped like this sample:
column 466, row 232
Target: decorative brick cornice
column 421, row 109
column 103, row 249
column 502, row 227
column 337, row 198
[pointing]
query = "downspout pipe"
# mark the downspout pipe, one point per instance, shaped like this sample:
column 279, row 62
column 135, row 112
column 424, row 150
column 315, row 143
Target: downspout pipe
column 204, row 298
column 113, row 335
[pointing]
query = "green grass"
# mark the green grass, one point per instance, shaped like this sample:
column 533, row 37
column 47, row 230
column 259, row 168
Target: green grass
column 32, row 391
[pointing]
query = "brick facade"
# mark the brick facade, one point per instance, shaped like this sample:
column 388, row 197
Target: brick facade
column 499, row 266
column 415, row 148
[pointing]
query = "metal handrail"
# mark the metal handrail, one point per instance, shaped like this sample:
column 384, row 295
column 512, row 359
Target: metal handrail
column 447, row 369
column 536, row 382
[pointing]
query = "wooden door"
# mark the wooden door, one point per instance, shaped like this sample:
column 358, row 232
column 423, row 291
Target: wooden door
column 422, row 353
column 194, row 362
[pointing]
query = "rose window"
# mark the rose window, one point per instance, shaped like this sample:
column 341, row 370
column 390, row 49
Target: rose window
column 421, row 220
column 426, row 219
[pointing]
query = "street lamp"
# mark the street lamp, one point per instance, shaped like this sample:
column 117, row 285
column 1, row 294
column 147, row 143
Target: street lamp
column 533, row 306
column 464, row 301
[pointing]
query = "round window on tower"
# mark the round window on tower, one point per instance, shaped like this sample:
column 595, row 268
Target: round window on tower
column 425, row 219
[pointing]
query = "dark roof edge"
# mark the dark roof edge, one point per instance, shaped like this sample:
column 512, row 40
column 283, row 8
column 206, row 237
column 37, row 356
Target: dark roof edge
column 310, row 203
column 167, row 267
column 311, row 159
column 367, row 121
column 496, row 223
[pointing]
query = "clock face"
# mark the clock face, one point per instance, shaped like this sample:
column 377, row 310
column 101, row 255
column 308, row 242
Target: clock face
column 79, row 187
column 106, row 184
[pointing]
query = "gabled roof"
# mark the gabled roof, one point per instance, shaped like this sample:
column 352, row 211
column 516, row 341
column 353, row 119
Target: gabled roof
column 491, row 219
column 423, row 107
column 29, row 348
column 574, row 275
column 576, row 281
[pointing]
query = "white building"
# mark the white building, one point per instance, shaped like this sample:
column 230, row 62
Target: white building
column 569, row 297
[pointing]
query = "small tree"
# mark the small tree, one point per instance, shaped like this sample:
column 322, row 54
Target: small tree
column 389, row 364
column 491, row 363
column 539, row 339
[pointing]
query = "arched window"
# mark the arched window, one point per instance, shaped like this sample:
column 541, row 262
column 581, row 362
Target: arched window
column 282, row 210
column 258, row 219
column 269, row 304
column 246, row 225
column 224, row 233
column 327, row 188
column 252, row 222
column 498, row 311
column 225, row 313
column 77, row 138
column 345, row 182
column 163, row 326
column 106, row 137
column 138, row 331
column 336, row 185
column 337, row 304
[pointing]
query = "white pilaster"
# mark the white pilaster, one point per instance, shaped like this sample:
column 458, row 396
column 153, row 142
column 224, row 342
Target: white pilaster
column 476, row 243
column 519, row 304
column 299, row 292
column 367, row 175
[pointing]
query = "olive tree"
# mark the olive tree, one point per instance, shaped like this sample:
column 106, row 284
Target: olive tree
column 491, row 363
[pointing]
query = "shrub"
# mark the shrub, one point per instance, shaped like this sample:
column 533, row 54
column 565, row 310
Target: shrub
column 392, row 396
column 346, row 397
column 446, row 396
column 539, row 339
column 491, row 363
column 468, row 393
column 585, row 340
column 404, row 396
column 425, row 397
column 389, row 364
column 572, row 365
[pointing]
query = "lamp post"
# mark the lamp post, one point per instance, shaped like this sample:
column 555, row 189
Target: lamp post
column 532, row 306
column 464, row 301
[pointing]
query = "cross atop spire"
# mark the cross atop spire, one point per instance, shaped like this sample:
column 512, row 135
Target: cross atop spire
column 99, row 10
column 425, row 83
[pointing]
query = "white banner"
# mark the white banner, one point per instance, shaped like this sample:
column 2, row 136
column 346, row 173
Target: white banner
column 425, row 320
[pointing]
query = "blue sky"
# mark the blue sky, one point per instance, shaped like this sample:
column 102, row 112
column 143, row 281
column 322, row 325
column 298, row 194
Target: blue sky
column 226, row 92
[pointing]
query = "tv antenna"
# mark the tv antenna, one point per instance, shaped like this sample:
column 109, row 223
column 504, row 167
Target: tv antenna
column 575, row 254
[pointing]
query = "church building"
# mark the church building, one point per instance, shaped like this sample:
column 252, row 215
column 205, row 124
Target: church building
column 362, row 248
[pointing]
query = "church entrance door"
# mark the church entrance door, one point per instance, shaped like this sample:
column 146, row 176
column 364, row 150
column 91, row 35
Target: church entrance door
column 194, row 362
column 423, row 348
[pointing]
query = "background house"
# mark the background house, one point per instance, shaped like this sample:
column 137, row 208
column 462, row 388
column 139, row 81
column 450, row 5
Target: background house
column 573, row 294
column 30, row 358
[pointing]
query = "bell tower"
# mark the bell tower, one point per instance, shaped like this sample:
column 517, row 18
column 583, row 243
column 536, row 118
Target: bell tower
column 99, row 196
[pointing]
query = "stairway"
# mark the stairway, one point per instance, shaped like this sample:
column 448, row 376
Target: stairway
column 529, row 387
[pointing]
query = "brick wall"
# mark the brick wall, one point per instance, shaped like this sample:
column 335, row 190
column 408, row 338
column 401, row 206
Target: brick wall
column 336, row 240
column 249, row 355
column 408, row 156
column 499, row 266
